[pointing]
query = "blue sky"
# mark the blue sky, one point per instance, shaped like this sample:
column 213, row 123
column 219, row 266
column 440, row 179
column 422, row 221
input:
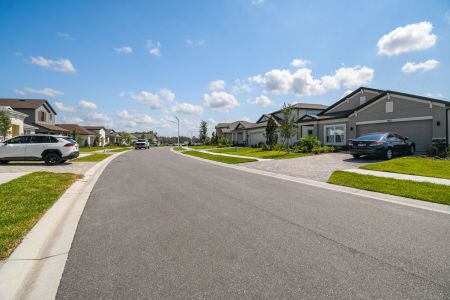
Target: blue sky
column 134, row 65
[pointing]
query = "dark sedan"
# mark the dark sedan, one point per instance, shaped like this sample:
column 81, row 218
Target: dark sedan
column 384, row 144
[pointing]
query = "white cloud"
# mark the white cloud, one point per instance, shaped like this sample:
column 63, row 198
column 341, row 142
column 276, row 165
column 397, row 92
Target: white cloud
column 257, row 2
column 246, row 119
column 154, row 49
column 428, row 65
column 278, row 81
column 60, row 106
column 434, row 95
column 45, row 92
column 167, row 94
column 241, row 86
column 197, row 43
column 298, row 63
column 134, row 119
column 302, row 82
column 187, row 109
column 62, row 65
column 87, row 105
column 220, row 101
column 262, row 100
column 63, row 35
column 99, row 119
column 124, row 50
column 347, row 92
column 148, row 98
column 217, row 85
column 412, row 37
column 71, row 120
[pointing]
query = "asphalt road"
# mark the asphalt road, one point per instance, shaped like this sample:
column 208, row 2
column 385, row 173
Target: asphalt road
column 162, row 226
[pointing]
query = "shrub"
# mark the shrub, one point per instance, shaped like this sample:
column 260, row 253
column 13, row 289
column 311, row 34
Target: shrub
column 438, row 149
column 323, row 149
column 277, row 147
column 264, row 147
column 308, row 143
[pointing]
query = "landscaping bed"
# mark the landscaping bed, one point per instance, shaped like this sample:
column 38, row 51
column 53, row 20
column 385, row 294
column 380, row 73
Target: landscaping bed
column 413, row 166
column 24, row 200
column 219, row 158
column 405, row 188
column 259, row 153
column 92, row 158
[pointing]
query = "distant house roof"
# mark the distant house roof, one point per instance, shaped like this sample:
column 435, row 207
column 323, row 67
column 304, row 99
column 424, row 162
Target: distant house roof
column 25, row 103
column 313, row 106
column 94, row 127
column 51, row 127
column 81, row 130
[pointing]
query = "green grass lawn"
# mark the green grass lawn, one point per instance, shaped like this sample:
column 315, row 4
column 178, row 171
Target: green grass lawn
column 219, row 158
column 417, row 190
column 92, row 149
column 24, row 200
column 92, row 158
column 179, row 148
column 120, row 150
column 201, row 147
column 413, row 166
column 256, row 152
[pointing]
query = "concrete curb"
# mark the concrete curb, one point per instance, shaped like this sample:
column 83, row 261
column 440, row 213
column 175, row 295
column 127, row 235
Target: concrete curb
column 430, row 206
column 34, row 269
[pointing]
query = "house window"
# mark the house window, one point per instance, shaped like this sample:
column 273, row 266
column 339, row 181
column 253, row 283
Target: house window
column 389, row 107
column 42, row 116
column 362, row 100
column 335, row 134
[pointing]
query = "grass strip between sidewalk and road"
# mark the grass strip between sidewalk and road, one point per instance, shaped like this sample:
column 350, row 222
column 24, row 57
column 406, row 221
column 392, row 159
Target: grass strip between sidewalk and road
column 219, row 158
column 24, row 200
column 120, row 150
column 257, row 152
column 179, row 148
column 413, row 166
column 96, row 157
column 431, row 192
column 203, row 147
column 92, row 149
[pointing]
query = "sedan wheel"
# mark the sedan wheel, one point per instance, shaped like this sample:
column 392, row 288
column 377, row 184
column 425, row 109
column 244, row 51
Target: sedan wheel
column 389, row 153
column 412, row 150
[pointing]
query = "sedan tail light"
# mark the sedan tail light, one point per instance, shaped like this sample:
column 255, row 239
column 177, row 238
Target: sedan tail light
column 376, row 143
column 69, row 145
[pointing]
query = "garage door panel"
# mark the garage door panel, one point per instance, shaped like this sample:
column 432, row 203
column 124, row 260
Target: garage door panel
column 421, row 132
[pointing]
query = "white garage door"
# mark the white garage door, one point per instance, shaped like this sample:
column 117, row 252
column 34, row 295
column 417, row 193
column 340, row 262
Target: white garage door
column 256, row 137
column 421, row 132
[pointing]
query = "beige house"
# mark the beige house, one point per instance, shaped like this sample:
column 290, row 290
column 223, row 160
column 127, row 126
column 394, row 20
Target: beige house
column 18, row 126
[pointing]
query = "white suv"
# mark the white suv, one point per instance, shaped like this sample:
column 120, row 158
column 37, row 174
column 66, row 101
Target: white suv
column 53, row 149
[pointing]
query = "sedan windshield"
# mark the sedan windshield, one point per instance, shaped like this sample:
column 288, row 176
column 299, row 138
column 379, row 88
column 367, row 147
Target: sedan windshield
column 371, row 137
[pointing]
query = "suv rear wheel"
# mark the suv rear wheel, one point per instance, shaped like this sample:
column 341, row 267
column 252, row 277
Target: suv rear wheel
column 389, row 153
column 52, row 159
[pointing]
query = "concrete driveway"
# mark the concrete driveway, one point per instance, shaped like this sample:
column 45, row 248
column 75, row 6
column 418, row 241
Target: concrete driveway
column 315, row 167
column 67, row 167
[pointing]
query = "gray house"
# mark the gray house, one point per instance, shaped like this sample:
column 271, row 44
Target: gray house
column 367, row 110
column 252, row 134
column 40, row 114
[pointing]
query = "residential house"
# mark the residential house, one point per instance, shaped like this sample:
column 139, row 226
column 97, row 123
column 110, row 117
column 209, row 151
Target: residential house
column 367, row 110
column 86, row 137
column 112, row 137
column 18, row 126
column 99, row 131
column 40, row 114
column 253, row 134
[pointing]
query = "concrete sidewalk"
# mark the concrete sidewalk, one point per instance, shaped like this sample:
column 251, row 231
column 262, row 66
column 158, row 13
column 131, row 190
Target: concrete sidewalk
column 5, row 177
column 400, row 176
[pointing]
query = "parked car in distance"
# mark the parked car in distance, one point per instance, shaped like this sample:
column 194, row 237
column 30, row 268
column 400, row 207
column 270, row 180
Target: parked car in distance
column 142, row 144
column 53, row 149
column 384, row 144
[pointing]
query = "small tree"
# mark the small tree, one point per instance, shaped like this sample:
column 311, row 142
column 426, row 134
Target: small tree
column 203, row 131
column 287, row 129
column 143, row 136
column 96, row 140
column 271, row 128
column 5, row 124
column 127, row 138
